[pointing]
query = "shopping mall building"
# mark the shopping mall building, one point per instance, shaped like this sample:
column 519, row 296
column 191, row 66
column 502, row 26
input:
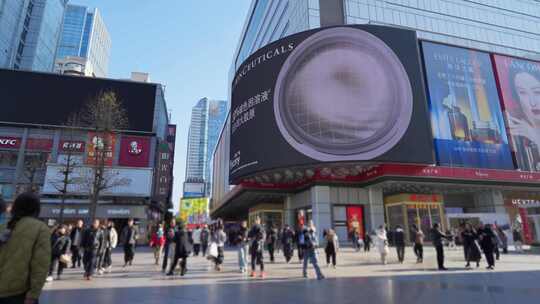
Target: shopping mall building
column 396, row 112
column 35, row 144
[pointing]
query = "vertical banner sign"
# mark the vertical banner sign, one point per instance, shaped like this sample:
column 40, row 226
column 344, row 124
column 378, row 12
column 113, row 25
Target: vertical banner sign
column 466, row 118
column 99, row 144
column 355, row 219
column 519, row 85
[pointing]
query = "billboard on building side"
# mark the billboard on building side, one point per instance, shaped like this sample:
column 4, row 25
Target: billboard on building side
column 194, row 211
column 347, row 93
column 519, row 84
column 466, row 117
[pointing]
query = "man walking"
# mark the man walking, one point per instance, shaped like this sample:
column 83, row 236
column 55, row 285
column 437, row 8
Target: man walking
column 399, row 241
column 310, row 254
column 287, row 241
column 129, row 240
column 170, row 231
column 182, row 251
column 196, row 240
column 418, row 244
column 243, row 247
column 76, row 240
column 205, row 237
column 271, row 238
column 257, row 239
column 92, row 242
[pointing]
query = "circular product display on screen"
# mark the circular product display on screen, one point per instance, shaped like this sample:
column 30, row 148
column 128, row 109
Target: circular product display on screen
column 343, row 94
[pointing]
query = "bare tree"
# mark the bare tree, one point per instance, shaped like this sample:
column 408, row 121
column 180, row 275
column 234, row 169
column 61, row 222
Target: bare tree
column 104, row 115
column 33, row 164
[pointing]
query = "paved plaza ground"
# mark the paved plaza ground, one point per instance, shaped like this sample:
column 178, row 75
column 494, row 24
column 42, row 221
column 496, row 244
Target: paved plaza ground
column 359, row 278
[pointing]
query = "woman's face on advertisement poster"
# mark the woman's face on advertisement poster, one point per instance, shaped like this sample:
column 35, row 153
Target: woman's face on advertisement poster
column 528, row 91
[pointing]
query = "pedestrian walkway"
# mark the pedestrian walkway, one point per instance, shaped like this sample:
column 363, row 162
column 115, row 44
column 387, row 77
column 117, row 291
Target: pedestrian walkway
column 358, row 277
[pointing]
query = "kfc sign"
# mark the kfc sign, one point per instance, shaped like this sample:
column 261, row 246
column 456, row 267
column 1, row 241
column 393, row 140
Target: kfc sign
column 72, row 146
column 10, row 142
column 100, row 148
column 134, row 151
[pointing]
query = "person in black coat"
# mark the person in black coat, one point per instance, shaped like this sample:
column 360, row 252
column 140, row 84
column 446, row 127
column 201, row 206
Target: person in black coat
column 287, row 241
column 60, row 245
column 76, row 240
column 488, row 241
column 367, row 242
column 472, row 252
column 257, row 238
column 205, row 238
column 92, row 242
column 399, row 242
column 437, row 237
column 271, row 239
column 182, row 251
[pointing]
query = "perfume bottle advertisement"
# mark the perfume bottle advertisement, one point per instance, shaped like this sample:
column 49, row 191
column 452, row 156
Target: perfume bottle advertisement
column 466, row 118
column 519, row 85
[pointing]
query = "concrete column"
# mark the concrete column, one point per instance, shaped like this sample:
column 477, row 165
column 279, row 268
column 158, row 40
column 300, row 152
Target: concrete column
column 19, row 171
column 321, row 208
column 375, row 210
column 288, row 211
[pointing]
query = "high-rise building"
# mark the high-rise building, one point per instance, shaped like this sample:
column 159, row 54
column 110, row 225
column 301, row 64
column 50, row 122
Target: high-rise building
column 85, row 36
column 29, row 33
column 207, row 119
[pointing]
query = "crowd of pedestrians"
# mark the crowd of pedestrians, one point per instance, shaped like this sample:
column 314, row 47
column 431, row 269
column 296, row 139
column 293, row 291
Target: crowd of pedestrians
column 30, row 249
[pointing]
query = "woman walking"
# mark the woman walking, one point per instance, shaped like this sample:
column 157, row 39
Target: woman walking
column 287, row 241
column 25, row 252
column 382, row 243
column 60, row 245
column 157, row 242
column 488, row 242
column 256, row 237
column 331, row 248
column 219, row 237
column 472, row 252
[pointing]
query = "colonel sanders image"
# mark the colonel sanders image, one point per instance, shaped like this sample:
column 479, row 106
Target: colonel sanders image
column 134, row 148
column 98, row 143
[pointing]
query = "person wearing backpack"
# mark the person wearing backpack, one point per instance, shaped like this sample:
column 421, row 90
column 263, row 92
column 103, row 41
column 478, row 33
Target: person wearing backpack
column 25, row 252
column 60, row 244
column 310, row 250
column 256, row 237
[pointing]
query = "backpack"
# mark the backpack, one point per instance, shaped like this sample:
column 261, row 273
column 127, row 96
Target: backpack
column 301, row 239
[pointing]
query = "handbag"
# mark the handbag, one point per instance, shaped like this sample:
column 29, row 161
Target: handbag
column 213, row 250
column 65, row 259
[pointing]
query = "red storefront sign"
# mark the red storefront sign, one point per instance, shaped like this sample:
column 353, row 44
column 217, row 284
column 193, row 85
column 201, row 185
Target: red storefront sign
column 39, row 144
column 7, row 142
column 100, row 148
column 72, row 146
column 134, row 151
column 355, row 219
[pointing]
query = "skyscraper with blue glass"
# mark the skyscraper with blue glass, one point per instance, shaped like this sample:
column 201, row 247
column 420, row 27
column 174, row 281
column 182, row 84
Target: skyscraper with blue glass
column 29, row 33
column 207, row 119
column 85, row 35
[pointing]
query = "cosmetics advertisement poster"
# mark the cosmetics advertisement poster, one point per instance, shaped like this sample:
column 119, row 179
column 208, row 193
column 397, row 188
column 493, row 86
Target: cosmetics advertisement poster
column 519, row 83
column 466, row 118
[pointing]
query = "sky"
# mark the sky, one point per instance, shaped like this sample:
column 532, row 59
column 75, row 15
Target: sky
column 186, row 45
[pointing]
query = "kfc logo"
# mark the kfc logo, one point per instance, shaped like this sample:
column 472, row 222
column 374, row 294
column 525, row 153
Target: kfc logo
column 134, row 148
column 8, row 142
column 98, row 143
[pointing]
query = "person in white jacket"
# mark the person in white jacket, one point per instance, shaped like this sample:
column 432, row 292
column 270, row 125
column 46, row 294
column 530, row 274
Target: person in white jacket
column 196, row 240
column 382, row 243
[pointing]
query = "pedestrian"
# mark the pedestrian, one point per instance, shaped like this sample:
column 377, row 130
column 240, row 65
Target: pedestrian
column 311, row 243
column 488, row 243
column 518, row 239
column 129, row 240
column 367, row 242
column 399, row 242
column 382, row 243
column 111, row 243
column 271, row 239
column 257, row 238
column 219, row 238
column 106, row 244
column 242, row 244
column 498, row 241
column 92, row 242
column 502, row 237
column 25, row 252
column 60, row 245
column 76, row 238
column 182, row 251
column 418, row 244
column 157, row 242
column 470, row 245
column 299, row 240
column 197, row 240
column 437, row 237
column 205, row 238
column 287, row 241
column 331, row 247
column 169, row 248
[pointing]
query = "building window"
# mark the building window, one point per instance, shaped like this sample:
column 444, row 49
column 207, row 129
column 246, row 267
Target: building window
column 8, row 158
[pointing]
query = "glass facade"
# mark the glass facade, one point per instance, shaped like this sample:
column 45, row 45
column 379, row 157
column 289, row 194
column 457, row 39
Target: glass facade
column 85, row 35
column 207, row 120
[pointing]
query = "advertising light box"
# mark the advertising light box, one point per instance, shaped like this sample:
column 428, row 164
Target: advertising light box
column 466, row 117
column 348, row 93
column 519, row 83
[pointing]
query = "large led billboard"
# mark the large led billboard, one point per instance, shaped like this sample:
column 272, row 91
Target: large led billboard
column 347, row 93
column 466, row 117
column 519, row 83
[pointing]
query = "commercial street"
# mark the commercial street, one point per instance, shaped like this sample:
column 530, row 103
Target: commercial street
column 359, row 278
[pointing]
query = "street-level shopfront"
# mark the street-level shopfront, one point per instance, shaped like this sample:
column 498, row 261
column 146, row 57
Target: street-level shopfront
column 270, row 214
